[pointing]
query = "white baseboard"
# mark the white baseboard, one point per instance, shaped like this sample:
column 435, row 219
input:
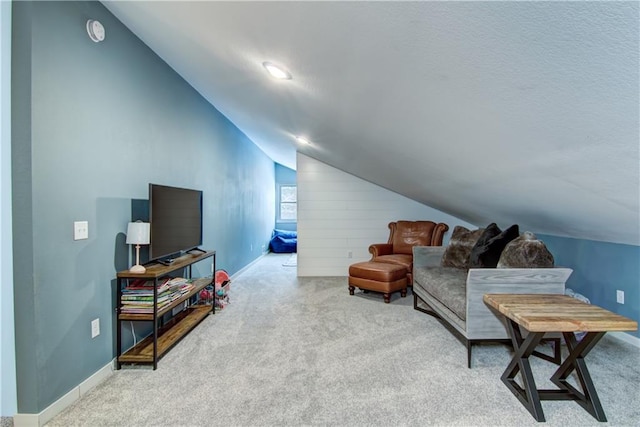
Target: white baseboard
column 246, row 267
column 628, row 338
column 38, row 420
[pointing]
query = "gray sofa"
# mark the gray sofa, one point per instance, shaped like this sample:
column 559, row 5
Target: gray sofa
column 454, row 295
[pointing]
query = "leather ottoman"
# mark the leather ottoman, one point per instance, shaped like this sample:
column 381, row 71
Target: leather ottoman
column 378, row 277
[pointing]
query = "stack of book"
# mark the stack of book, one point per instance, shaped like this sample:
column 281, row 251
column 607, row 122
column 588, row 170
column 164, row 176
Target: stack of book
column 137, row 297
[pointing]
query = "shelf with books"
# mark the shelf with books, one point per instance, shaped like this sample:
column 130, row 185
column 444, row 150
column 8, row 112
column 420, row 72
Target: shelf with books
column 198, row 285
column 152, row 297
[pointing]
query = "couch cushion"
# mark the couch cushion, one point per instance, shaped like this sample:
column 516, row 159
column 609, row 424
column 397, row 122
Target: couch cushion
column 412, row 233
column 398, row 259
column 526, row 252
column 378, row 271
column 487, row 250
column 447, row 285
column 459, row 248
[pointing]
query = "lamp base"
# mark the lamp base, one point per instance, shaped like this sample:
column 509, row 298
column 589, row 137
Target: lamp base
column 138, row 269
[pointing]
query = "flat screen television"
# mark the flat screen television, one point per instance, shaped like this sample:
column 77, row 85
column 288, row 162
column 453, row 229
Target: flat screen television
column 175, row 215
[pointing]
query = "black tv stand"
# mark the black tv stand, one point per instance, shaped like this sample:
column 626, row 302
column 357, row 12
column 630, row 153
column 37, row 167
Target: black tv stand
column 165, row 333
column 202, row 251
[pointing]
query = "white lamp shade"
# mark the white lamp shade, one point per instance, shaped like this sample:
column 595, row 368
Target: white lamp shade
column 138, row 233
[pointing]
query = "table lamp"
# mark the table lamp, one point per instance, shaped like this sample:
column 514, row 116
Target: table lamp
column 138, row 234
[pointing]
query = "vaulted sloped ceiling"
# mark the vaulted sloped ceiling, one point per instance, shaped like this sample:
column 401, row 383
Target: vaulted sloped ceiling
column 513, row 112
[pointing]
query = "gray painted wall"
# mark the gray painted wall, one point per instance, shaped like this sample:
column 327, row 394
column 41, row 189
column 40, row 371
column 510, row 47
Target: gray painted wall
column 93, row 124
column 284, row 176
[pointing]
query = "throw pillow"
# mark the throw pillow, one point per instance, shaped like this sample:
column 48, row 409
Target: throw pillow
column 459, row 248
column 491, row 231
column 487, row 250
column 526, row 252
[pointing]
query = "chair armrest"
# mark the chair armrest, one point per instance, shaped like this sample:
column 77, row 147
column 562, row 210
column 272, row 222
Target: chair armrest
column 482, row 281
column 482, row 323
column 427, row 256
column 438, row 234
column 512, row 277
column 378, row 249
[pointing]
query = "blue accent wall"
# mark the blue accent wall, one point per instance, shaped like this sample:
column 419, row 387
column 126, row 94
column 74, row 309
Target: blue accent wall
column 284, row 176
column 92, row 125
column 599, row 269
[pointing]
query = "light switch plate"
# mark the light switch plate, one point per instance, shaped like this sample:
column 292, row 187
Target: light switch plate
column 80, row 230
column 95, row 328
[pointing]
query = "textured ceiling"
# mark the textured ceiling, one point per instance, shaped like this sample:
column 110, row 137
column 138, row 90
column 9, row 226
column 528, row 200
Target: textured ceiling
column 513, row 112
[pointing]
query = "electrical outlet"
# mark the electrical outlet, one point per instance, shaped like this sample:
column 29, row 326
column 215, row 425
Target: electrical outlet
column 620, row 297
column 80, row 230
column 95, row 328
column 349, row 254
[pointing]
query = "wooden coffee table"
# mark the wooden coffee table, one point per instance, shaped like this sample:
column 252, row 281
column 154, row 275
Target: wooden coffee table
column 543, row 313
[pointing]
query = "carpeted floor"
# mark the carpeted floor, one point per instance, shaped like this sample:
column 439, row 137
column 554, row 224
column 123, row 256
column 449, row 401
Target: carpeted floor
column 292, row 261
column 294, row 351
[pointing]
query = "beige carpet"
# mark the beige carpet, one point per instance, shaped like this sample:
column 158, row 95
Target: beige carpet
column 292, row 261
column 291, row 352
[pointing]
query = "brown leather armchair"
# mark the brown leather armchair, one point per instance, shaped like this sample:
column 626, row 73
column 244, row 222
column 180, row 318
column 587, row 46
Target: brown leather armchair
column 403, row 236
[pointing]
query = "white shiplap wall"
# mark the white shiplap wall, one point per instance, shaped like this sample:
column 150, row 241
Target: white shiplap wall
column 339, row 214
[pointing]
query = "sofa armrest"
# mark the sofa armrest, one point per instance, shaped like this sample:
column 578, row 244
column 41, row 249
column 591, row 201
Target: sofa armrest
column 484, row 323
column 427, row 256
column 378, row 249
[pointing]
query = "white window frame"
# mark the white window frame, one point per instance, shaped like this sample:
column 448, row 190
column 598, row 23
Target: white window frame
column 280, row 202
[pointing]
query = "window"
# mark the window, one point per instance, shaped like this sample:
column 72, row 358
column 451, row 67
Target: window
column 288, row 211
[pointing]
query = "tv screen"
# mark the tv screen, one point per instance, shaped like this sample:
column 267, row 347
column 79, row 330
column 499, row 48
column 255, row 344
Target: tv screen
column 175, row 215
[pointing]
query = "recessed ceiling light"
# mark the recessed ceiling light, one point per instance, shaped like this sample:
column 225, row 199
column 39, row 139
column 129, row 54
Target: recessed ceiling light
column 277, row 71
column 303, row 140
